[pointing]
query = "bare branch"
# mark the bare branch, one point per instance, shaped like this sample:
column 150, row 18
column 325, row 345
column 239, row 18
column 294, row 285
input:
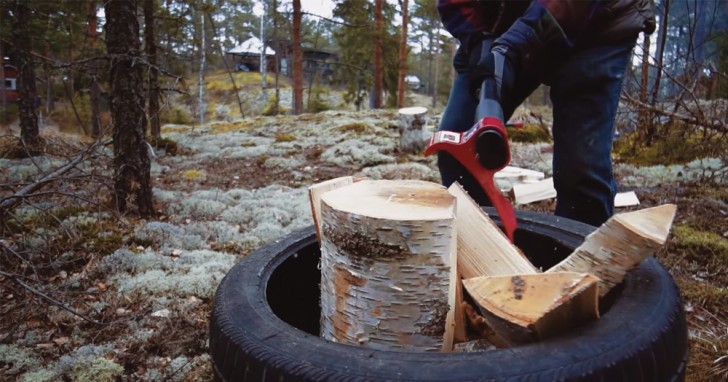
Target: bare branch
column 11, row 201
column 50, row 299
column 713, row 124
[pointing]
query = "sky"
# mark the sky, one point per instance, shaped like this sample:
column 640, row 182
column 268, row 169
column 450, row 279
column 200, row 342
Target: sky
column 319, row 7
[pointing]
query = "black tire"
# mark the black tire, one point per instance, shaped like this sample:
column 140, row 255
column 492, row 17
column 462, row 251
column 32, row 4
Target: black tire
column 264, row 326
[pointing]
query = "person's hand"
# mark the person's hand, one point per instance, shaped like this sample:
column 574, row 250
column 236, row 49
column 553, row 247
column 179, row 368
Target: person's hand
column 490, row 62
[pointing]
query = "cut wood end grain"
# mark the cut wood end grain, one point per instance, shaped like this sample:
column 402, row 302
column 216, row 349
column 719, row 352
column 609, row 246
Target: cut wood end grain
column 651, row 223
column 526, row 308
column 400, row 200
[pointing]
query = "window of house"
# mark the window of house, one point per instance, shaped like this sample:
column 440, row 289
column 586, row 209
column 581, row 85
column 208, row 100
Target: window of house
column 10, row 83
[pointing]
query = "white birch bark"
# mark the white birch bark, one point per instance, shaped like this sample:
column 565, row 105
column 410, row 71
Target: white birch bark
column 413, row 129
column 386, row 265
column 620, row 244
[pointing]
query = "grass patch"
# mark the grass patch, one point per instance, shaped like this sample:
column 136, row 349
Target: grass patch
column 272, row 106
column 356, row 127
column 285, row 137
column 699, row 245
column 220, row 82
column 175, row 115
column 706, row 310
column 194, row 174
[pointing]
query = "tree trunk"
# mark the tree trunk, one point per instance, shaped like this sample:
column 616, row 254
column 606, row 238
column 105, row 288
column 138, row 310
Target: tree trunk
column 378, row 54
column 660, row 52
column 201, row 80
column 3, row 96
column 436, row 78
column 94, row 87
column 153, row 80
column 263, row 57
column 388, row 264
column 644, row 124
column 401, row 87
column 131, row 155
column 297, row 59
column 26, row 78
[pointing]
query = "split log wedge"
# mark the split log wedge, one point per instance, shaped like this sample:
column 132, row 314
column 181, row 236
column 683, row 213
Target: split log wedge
column 620, row 244
column 483, row 249
column 388, row 265
column 527, row 308
column 314, row 195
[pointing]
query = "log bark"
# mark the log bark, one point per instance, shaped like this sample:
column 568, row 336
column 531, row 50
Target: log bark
column 412, row 129
column 527, row 308
column 620, row 244
column 483, row 249
column 388, row 264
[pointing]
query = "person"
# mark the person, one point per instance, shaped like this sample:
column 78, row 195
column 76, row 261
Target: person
column 580, row 49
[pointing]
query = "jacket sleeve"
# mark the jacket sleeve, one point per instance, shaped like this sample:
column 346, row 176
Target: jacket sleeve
column 572, row 16
column 548, row 28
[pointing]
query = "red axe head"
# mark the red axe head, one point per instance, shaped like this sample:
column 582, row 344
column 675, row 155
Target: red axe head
column 483, row 150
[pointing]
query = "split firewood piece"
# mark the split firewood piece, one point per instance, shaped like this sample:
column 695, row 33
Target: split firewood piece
column 620, row 245
column 533, row 192
column 527, row 308
column 318, row 189
column 388, row 265
column 483, row 249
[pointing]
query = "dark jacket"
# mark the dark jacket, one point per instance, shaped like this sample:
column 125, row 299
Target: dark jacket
column 582, row 21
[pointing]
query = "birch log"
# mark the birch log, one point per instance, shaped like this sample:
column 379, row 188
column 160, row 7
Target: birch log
column 620, row 244
column 527, row 308
column 387, row 265
column 412, row 129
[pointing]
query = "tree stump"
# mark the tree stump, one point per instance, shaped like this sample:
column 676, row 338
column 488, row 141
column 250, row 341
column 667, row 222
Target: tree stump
column 387, row 265
column 413, row 129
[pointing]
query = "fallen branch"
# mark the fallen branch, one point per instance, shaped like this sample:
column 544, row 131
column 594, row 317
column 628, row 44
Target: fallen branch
column 48, row 298
column 712, row 124
column 8, row 203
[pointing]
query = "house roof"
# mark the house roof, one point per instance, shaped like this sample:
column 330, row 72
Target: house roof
column 251, row 46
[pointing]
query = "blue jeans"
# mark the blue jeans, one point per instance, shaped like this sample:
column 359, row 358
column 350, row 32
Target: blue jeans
column 585, row 88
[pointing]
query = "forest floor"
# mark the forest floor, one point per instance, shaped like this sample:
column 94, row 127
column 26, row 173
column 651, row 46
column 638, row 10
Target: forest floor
column 137, row 293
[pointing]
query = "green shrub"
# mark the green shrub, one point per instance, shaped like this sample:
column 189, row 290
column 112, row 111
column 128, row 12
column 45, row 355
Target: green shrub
column 316, row 101
column 674, row 143
column 10, row 113
column 529, row 134
column 170, row 146
column 272, row 106
column 175, row 115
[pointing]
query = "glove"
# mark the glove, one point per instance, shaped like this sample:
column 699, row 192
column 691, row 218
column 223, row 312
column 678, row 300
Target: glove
column 494, row 64
column 533, row 41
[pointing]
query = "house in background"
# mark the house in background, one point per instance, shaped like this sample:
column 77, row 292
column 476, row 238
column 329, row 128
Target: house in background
column 9, row 87
column 316, row 62
column 247, row 56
